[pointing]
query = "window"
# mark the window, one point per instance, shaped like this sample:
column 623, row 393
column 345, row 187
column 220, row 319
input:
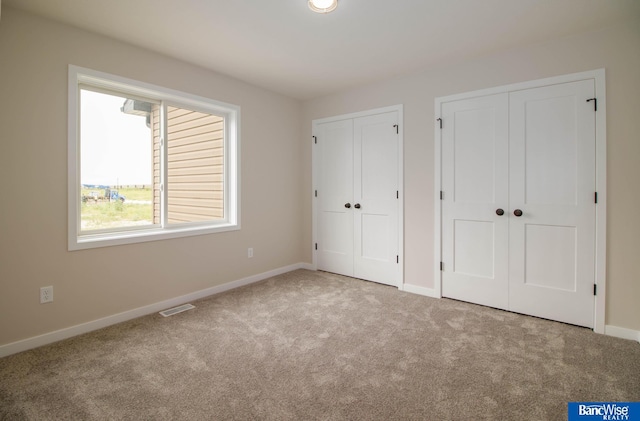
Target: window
column 148, row 163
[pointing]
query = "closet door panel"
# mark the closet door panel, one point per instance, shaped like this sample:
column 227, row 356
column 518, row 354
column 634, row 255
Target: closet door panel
column 376, row 193
column 552, row 181
column 475, row 186
column 335, row 174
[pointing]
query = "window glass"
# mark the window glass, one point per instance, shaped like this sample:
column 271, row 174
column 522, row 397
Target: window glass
column 116, row 162
column 195, row 166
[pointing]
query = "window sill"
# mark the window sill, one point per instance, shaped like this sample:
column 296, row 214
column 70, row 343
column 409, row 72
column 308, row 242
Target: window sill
column 89, row 241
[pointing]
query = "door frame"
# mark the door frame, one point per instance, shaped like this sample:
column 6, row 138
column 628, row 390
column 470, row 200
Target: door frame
column 315, row 178
column 598, row 76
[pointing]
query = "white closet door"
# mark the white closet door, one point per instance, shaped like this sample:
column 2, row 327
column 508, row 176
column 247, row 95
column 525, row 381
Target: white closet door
column 335, row 174
column 357, row 161
column 375, row 198
column 475, row 186
column 552, row 181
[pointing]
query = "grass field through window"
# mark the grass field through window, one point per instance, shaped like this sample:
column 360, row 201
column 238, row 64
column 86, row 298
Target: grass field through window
column 100, row 212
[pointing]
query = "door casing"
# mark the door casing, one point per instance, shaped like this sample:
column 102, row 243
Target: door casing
column 598, row 76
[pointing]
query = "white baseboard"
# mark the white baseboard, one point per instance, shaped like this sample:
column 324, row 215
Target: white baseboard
column 414, row 289
column 307, row 266
column 622, row 332
column 58, row 335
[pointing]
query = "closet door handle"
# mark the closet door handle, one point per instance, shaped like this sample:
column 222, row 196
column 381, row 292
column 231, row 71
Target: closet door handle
column 357, row 206
column 347, row 205
column 499, row 212
column 517, row 212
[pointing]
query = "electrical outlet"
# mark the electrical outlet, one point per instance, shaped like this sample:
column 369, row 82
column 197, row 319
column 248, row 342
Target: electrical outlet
column 250, row 252
column 46, row 295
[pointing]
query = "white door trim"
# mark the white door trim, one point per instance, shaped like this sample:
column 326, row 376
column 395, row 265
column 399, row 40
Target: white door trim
column 315, row 178
column 601, row 169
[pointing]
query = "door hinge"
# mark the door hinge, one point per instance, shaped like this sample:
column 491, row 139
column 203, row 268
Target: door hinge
column 439, row 120
column 397, row 259
column 595, row 103
column 441, row 266
column 595, row 197
column 595, row 289
column 397, row 129
column 397, row 194
column 315, row 139
column 441, row 195
column 316, row 193
column 316, row 246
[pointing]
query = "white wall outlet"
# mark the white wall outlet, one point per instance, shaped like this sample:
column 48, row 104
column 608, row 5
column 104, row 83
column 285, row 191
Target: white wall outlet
column 46, row 295
column 250, row 252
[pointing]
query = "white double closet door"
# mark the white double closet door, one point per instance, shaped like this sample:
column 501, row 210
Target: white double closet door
column 357, row 197
column 518, row 209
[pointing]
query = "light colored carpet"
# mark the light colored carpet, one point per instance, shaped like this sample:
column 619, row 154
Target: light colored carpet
column 317, row 346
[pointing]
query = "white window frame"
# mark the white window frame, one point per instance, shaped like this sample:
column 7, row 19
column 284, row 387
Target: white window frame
column 78, row 240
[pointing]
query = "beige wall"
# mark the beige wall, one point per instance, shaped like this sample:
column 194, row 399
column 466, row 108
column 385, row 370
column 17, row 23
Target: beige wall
column 617, row 49
column 90, row 284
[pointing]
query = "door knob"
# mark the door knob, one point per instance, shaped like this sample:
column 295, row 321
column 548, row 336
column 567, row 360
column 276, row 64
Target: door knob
column 517, row 212
column 347, row 205
column 357, row 206
column 499, row 212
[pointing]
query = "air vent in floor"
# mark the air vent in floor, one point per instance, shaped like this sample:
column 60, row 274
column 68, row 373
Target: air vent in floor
column 176, row 310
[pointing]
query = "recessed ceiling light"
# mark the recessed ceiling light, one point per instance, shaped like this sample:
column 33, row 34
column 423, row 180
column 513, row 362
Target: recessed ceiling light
column 323, row 6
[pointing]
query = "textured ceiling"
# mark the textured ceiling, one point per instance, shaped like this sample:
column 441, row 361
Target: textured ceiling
column 282, row 46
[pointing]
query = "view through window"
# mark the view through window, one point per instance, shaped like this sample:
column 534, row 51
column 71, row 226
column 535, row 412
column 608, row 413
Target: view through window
column 122, row 177
column 195, row 166
column 116, row 162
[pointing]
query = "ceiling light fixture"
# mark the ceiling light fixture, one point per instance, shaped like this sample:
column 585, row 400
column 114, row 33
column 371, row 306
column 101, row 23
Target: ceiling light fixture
column 323, row 6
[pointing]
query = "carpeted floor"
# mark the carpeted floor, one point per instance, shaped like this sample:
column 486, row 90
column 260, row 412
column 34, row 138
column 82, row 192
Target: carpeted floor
column 317, row 346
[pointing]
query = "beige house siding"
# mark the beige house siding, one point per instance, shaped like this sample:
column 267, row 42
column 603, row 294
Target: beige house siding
column 195, row 165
